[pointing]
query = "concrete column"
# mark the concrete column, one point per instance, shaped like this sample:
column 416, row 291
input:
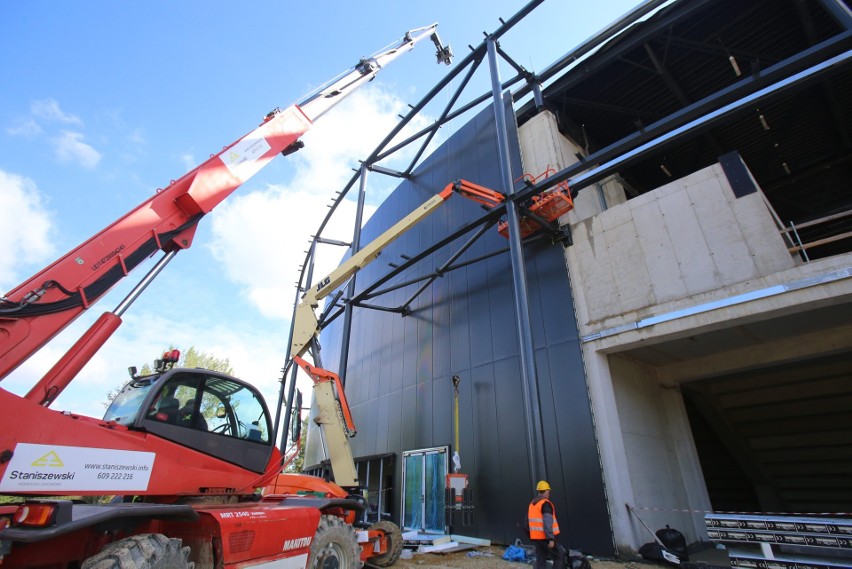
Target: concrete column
column 694, row 490
column 616, row 469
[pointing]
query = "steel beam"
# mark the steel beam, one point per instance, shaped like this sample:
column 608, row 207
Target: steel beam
column 529, row 376
column 696, row 126
column 350, row 289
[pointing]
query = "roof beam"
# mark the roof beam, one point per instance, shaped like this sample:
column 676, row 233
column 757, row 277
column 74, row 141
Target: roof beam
column 678, row 92
column 644, row 33
column 839, row 12
column 703, row 114
column 828, row 91
column 713, row 49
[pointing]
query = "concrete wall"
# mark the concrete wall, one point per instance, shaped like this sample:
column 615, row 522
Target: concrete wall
column 686, row 244
column 643, row 434
column 665, row 482
column 666, row 247
column 543, row 147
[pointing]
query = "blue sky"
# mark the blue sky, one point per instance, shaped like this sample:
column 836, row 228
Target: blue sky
column 102, row 102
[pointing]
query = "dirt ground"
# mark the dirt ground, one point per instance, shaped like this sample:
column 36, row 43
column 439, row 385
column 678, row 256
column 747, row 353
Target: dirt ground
column 492, row 558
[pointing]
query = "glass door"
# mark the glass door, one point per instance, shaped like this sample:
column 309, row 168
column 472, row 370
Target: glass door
column 424, row 474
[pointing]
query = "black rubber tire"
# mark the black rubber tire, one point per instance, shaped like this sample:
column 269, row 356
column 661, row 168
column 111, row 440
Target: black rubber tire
column 394, row 537
column 144, row 551
column 334, row 546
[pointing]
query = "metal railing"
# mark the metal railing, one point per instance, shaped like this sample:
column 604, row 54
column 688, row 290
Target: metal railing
column 800, row 246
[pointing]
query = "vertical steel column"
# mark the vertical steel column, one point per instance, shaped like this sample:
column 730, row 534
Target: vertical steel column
column 537, row 96
column 294, row 369
column 839, row 11
column 529, row 377
column 380, row 505
column 366, row 489
column 288, row 412
column 350, row 289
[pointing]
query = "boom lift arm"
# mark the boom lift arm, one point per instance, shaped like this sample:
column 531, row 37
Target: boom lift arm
column 305, row 323
column 334, row 418
column 333, row 411
column 39, row 308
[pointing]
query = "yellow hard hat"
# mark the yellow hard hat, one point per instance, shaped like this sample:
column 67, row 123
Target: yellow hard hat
column 542, row 486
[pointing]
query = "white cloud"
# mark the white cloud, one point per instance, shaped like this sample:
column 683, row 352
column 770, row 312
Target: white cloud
column 27, row 227
column 350, row 132
column 260, row 237
column 188, row 161
column 27, row 128
column 259, row 240
column 71, row 148
column 137, row 138
column 48, row 109
column 254, row 353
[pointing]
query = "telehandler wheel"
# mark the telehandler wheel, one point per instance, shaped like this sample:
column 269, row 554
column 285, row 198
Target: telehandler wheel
column 144, row 551
column 394, row 537
column 334, row 546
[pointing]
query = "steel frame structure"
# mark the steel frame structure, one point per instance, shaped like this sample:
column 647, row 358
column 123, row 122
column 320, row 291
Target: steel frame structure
column 807, row 67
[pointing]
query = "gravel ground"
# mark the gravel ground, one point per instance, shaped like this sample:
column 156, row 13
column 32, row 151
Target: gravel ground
column 492, row 558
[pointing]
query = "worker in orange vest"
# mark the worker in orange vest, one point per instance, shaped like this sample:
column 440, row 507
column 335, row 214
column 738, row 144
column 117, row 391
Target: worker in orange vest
column 544, row 528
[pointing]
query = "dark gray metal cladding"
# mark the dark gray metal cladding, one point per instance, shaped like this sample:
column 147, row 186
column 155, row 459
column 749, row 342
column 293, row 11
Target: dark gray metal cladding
column 399, row 379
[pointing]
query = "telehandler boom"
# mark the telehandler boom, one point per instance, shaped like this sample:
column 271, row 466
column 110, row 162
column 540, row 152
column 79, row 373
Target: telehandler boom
column 183, row 450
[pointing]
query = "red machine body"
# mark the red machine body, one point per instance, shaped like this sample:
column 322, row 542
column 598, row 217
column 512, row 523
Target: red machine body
column 219, row 536
column 184, row 452
column 180, row 471
column 167, row 221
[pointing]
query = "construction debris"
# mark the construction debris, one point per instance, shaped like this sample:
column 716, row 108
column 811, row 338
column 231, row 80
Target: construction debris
column 430, row 543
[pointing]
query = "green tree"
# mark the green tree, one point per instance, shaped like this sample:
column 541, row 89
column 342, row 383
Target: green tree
column 191, row 358
column 194, row 358
column 299, row 462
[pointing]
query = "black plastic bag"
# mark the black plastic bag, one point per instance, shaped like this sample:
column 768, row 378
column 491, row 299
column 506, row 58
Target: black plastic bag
column 651, row 551
column 674, row 541
column 576, row 560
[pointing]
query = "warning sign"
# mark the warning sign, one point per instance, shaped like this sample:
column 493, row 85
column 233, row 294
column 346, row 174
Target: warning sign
column 242, row 158
column 50, row 468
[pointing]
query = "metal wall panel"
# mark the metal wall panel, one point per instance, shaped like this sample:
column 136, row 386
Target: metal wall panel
column 399, row 373
column 394, row 435
column 379, row 433
column 442, row 398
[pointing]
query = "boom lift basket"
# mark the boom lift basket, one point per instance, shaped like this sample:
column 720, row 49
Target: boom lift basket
column 550, row 206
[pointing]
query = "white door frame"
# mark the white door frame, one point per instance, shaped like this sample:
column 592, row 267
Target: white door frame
column 445, row 450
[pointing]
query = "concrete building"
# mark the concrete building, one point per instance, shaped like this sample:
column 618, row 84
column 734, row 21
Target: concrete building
column 689, row 351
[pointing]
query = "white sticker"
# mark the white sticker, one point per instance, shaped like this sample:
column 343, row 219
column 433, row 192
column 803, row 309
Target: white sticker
column 242, row 158
column 295, row 562
column 54, row 467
